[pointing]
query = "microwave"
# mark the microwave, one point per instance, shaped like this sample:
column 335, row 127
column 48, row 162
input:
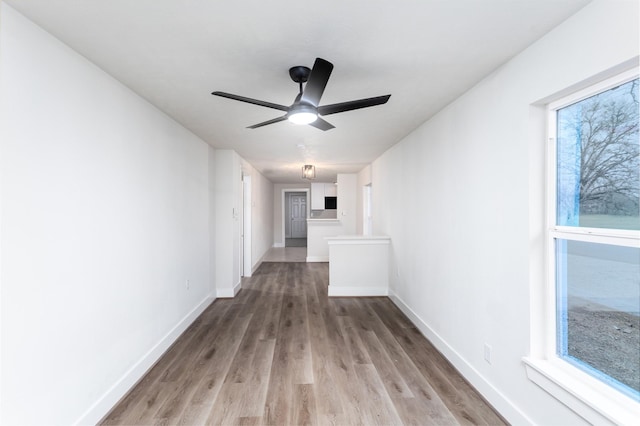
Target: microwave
column 330, row 203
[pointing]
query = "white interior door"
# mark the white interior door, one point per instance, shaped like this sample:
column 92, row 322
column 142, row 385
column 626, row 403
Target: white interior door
column 298, row 215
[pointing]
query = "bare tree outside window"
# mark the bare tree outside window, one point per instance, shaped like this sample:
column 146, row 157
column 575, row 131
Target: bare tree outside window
column 599, row 159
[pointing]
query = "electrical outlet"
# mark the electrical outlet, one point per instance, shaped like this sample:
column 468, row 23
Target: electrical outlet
column 186, row 284
column 487, row 353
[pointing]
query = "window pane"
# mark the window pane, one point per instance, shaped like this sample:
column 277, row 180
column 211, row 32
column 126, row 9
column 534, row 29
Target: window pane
column 598, row 315
column 598, row 153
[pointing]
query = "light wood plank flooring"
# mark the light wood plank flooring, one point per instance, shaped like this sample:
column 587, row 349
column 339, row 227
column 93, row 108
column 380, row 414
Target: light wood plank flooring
column 286, row 254
column 282, row 353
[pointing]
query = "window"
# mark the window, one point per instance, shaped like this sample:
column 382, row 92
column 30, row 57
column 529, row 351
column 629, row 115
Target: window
column 594, row 232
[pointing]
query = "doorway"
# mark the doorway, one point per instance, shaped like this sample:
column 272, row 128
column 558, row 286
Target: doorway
column 295, row 223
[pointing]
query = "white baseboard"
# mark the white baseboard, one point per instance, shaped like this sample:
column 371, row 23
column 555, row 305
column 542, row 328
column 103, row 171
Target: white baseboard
column 257, row 264
column 278, row 245
column 227, row 293
column 317, row 258
column 357, row 291
column 496, row 398
column 106, row 402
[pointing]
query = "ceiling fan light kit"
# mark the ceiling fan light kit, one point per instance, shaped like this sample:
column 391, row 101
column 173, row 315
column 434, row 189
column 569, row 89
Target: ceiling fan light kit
column 305, row 108
column 302, row 114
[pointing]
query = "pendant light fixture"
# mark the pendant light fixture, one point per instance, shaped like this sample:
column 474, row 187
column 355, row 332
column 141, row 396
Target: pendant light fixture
column 308, row 172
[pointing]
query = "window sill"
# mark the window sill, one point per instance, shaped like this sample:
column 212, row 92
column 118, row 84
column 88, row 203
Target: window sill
column 596, row 402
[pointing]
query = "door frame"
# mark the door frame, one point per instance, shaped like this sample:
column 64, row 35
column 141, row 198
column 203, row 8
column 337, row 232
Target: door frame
column 246, row 259
column 367, row 213
column 283, row 205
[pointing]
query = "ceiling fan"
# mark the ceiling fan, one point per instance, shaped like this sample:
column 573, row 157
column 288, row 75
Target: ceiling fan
column 305, row 108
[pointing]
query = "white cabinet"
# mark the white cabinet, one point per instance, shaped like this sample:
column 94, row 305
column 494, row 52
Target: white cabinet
column 320, row 190
column 317, row 196
column 330, row 190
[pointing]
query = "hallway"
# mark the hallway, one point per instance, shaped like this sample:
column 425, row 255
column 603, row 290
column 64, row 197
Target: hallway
column 282, row 352
column 286, row 254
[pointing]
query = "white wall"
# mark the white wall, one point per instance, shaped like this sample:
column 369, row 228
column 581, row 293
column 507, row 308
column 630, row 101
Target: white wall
column 261, row 217
column 347, row 196
column 363, row 179
column 228, row 219
column 105, row 215
column 211, row 172
column 230, row 168
column 456, row 197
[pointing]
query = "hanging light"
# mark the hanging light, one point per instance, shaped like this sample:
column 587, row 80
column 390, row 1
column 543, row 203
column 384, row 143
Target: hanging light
column 308, row 172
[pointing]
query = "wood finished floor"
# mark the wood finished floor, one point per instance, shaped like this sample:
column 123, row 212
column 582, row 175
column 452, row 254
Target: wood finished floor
column 282, row 353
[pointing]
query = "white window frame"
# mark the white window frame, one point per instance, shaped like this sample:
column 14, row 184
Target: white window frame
column 591, row 398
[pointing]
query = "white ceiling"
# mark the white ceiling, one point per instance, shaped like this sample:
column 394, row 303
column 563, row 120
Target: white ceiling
column 174, row 53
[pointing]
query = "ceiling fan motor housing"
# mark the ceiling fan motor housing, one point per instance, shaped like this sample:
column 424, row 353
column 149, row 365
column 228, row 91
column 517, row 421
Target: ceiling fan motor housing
column 299, row 74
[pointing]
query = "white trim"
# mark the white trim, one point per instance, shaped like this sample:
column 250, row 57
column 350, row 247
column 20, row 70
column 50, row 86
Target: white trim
column 139, row 369
column 595, row 235
column 599, row 238
column 228, row 293
column 357, row 291
column 317, row 258
column 367, row 202
column 594, row 89
column 258, row 263
column 496, row 398
column 358, row 239
column 587, row 396
column 246, row 227
column 278, row 245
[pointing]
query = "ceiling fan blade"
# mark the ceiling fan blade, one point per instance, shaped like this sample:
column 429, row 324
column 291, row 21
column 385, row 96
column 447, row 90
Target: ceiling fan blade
column 351, row 105
column 251, row 101
column 322, row 125
column 317, row 81
column 264, row 123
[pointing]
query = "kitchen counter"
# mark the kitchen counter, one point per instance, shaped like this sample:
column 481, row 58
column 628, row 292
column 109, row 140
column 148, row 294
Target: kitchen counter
column 317, row 231
column 359, row 239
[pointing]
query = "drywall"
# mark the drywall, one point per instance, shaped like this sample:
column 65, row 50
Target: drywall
column 261, row 217
column 364, row 179
column 347, row 194
column 456, row 195
column 211, row 172
column 229, row 171
column 105, row 231
column 228, row 217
